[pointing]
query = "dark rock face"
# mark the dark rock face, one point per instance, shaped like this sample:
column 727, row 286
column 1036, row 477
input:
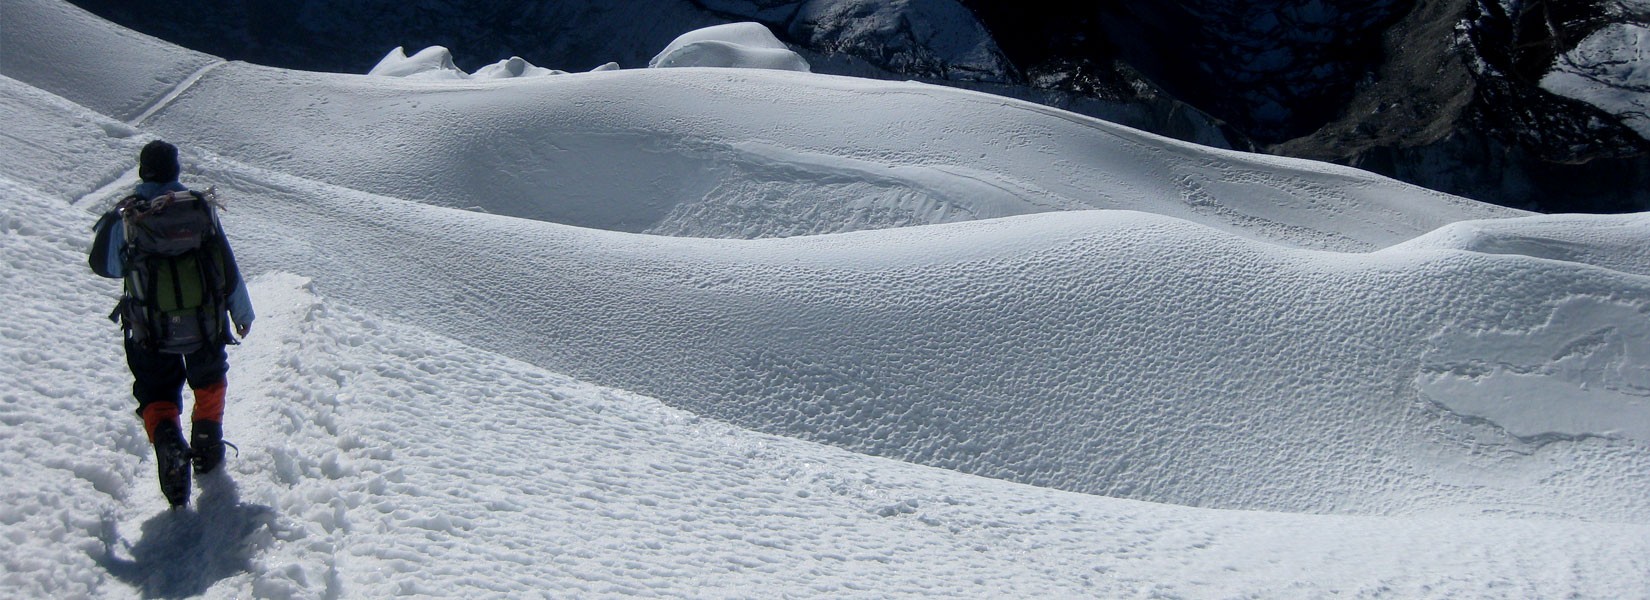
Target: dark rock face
column 1275, row 69
column 1456, row 105
column 1521, row 38
column 1441, row 93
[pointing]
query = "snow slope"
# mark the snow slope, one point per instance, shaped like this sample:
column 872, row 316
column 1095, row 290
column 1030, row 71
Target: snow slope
column 734, row 152
column 723, row 153
column 1409, row 401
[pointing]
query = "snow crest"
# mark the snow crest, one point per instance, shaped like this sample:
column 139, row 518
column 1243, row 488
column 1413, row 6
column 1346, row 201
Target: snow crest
column 741, row 45
column 435, row 63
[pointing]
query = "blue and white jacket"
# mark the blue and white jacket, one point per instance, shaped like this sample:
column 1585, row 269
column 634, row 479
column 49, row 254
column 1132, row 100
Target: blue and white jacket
column 240, row 303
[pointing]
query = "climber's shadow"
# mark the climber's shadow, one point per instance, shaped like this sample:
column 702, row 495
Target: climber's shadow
column 182, row 552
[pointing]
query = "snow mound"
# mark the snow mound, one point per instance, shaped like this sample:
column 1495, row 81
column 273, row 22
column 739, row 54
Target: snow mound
column 369, row 469
column 725, row 155
column 512, row 67
column 1111, row 352
column 434, row 62
column 736, row 45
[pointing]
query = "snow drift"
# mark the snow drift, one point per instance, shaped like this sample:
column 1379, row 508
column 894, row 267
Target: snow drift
column 734, row 45
column 436, row 63
column 899, row 270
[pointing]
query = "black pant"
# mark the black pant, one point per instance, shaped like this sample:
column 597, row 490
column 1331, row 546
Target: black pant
column 159, row 377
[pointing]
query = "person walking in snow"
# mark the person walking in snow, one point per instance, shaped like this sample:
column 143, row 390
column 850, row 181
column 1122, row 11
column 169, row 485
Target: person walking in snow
column 181, row 280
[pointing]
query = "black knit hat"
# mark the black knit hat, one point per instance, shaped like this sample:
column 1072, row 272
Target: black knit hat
column 158, row 162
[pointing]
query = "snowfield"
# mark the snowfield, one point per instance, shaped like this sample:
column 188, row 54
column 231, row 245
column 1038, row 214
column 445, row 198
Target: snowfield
column 740, row 332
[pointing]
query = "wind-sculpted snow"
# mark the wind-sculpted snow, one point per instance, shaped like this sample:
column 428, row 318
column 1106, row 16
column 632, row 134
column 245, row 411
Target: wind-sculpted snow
column 413, row 416
column 66, row 51
column 756, row 153
column 378, row 459
column 734, row 45
column 436, row 63
column 689, row 152
column 1611, row 242
column 1182, row 357
column 85, row 149
column 1580, row 373
column 1110, row 352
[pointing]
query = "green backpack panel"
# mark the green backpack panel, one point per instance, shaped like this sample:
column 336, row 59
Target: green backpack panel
column 176, row 275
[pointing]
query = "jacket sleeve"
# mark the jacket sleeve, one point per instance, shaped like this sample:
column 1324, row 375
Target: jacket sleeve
column 240, row 302
column 117, row 254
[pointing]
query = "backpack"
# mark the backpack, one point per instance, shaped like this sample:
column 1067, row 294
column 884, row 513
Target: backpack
column 177, row 272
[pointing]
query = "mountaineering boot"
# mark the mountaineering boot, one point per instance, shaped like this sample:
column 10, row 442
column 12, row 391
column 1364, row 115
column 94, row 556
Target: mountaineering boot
column 206, row 438
column 172, row 459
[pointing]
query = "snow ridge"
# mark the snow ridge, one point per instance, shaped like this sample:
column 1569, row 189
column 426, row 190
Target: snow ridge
column 1415, row 396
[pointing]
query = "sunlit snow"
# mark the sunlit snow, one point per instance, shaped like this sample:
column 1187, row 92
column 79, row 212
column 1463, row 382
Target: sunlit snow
column 739, row 332
column 734, row 45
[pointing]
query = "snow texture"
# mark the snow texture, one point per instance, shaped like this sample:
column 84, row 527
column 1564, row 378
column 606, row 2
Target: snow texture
column 761, row 333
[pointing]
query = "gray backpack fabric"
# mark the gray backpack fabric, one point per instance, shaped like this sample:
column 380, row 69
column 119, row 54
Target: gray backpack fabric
column 177, row 273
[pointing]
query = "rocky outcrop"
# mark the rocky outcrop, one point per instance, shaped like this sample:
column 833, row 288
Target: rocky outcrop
column 1446, row 94
column 1457, row 106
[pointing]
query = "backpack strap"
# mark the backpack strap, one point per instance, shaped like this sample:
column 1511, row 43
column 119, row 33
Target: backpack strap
column 120, row 310
column 216, row 278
